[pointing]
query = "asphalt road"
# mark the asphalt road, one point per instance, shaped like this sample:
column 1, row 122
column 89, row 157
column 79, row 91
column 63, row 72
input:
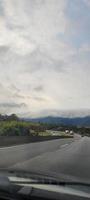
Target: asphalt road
column 71, row 161
column 67, row 158
column 10, row 156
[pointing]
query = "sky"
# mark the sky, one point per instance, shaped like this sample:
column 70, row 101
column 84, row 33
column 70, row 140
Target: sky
column 44, row 57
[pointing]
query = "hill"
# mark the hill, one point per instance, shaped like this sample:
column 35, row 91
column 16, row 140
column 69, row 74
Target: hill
column 77, row 121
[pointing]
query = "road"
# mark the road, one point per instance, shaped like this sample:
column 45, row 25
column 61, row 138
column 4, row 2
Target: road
column 18, row 154
column 62, row 157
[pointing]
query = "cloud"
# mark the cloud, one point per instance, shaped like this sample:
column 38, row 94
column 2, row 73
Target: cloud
column 1, row 8
column 12, row 105
column 23, row 21
column 44, row 55
column 3, row 50
column 39, row 88
column 40, row 99
column 14, row 88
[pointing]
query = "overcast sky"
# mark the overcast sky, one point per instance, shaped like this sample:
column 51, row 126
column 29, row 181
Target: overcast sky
column 44, row 56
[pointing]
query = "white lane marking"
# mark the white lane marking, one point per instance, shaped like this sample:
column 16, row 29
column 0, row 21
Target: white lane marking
column 64, row 145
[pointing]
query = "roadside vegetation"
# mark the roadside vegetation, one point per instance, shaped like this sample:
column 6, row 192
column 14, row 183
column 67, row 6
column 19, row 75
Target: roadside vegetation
column 19, row 128
column 13, row 126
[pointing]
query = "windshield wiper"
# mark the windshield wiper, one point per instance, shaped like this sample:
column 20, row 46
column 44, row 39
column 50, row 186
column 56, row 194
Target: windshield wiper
column 30, row 178
column 28, row 188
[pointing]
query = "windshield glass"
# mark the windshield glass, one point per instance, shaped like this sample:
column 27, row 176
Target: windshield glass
column 45, row 89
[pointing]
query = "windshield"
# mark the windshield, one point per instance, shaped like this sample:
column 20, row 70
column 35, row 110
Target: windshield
column 45, row 88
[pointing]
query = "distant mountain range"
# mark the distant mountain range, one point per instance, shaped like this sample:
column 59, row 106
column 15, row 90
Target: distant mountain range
column 77, row 121
column 68, row 121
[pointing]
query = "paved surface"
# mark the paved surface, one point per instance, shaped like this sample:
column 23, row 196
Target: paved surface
column 71, row 161
column 18, row 154
column 62, row 158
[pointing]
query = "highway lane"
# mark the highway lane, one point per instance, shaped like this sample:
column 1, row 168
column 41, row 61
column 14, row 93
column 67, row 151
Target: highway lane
column 77, row 136
column 70, row 161
column 10, row 156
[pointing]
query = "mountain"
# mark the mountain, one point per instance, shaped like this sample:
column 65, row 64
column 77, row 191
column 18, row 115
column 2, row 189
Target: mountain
column 77, row 121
